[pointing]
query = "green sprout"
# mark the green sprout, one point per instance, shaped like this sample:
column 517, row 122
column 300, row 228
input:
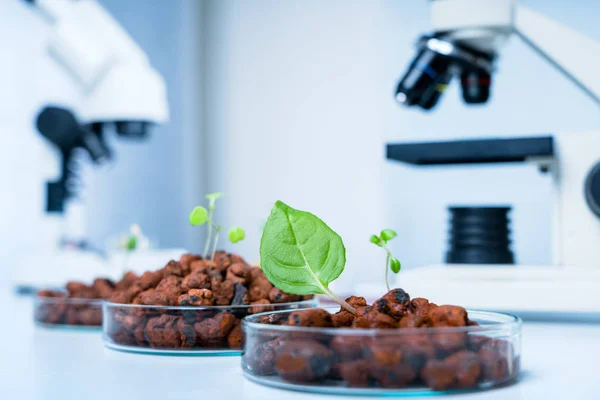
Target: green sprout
column 132, row 242
column 236, row 234
column 201, row 215
column 391, row 262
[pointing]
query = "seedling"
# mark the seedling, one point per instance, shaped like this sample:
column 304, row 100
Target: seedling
column 236, row 234
column 201, row 215
column 391, row 262
column 134, row 241
column 300, row 254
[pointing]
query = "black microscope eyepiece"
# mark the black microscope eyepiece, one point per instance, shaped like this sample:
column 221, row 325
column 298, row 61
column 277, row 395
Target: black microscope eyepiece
column 475, row 85
column 426, row 79
column 434, row 66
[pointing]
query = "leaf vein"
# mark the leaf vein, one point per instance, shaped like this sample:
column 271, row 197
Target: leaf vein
column 307, row 264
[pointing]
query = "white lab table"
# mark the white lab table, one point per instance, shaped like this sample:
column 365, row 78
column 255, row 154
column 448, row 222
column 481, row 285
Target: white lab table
column 560, row 361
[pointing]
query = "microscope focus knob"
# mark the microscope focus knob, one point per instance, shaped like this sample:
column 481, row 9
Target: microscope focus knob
column 592, row 189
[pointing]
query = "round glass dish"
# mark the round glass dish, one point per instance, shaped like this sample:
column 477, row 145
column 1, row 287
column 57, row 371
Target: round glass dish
column 182, row 330
column 68, row 312
column 382, row 362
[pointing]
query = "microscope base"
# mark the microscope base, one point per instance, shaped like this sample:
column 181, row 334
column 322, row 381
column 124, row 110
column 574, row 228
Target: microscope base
column 53, row 270
column 548, row 292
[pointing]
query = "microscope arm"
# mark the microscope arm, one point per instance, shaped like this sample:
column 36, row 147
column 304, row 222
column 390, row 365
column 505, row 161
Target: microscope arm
column 574, row 54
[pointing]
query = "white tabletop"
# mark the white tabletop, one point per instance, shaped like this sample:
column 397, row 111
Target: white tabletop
column 560, row 361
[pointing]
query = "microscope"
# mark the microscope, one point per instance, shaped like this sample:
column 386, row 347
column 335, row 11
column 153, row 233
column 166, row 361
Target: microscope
column 121, row 93
column 466, row 38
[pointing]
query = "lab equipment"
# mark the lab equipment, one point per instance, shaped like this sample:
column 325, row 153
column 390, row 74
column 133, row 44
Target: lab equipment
column 479, row 235
column 467, row 37
column 120, row 91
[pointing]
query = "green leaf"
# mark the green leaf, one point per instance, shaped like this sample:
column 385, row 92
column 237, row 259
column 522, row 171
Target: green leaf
column 198, row 216
column 131, row 243
column 388, row 234
column 212, row 197
column 376, row 240
column 395, row 265
column 299, row 253
column 236, row 234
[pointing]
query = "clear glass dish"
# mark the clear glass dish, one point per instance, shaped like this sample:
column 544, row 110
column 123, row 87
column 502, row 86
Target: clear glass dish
column 182, row 330
column 68, row 312
column 384, row 362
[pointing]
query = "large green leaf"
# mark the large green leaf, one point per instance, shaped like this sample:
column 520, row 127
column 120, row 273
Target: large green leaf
column 299, row 253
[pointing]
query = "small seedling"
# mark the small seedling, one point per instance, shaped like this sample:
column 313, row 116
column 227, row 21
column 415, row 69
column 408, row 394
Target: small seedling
column 132, row 242
column 391, row 262
column 236, row 234
column 201, row 215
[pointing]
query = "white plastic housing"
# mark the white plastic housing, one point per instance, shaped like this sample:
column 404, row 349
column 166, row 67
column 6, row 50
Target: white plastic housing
column 576, row 230
column 450, row 15
column 527, row 290
column 485, row 25
column 53, row 269
column 117, row 79
column 127, row 92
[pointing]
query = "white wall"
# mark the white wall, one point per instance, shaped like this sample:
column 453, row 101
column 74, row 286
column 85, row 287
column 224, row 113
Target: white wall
column 300, row 106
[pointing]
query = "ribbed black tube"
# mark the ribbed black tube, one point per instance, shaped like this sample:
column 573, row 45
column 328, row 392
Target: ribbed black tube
column 479, row 235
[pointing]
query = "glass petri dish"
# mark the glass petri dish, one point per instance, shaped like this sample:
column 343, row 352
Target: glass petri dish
column 182, row 330
column 382, row 362
column 68, row 312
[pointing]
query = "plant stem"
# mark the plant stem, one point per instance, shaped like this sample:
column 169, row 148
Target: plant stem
column 209, row 226
column 207, row 241
column 341, row 302
column 214, row 250
column 387, row 269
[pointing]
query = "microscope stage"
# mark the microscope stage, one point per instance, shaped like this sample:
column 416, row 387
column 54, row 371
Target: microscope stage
column 530, row 291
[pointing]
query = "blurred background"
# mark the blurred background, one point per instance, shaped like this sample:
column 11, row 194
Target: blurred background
column 289, row 100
